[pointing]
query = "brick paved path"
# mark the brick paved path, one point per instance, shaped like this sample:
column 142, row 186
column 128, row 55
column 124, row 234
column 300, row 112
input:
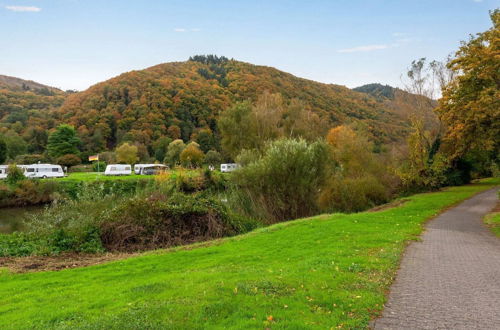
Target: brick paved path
column 450, row 280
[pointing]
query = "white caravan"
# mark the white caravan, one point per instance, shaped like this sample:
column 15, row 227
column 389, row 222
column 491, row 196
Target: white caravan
column 3, row 171
column 149, row 169
column 224, row 168
column 138, row 167
column 118, row 169
column 43, row 171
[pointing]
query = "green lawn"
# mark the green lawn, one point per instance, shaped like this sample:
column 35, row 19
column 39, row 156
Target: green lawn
column 493, row 221
column 93, row 176
column 327, row 271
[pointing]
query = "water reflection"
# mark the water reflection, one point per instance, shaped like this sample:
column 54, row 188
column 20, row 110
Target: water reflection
column 11, row 219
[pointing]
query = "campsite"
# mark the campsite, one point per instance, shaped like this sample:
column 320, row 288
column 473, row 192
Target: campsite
column 250, row 165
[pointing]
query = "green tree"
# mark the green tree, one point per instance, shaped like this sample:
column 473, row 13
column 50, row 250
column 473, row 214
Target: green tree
column 174, row 151
column 205, row 138
column 63, row 141
column 15, row 144
column 213, row 158
column 238, row 129
column 160, row 148
column 127, row 154
column 3, row 150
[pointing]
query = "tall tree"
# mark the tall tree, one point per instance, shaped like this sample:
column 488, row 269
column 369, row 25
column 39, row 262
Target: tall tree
column 470, row 106
column 127, row 154
column 3, row 150
column 63, row 141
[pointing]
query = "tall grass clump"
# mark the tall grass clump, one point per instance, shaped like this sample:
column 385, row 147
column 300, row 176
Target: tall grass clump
column 284, row 182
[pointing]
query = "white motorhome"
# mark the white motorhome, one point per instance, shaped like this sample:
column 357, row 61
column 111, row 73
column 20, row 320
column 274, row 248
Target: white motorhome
column 118, row 169
column 149, row 169
column 3, row 171
column 43, row 171
column 224, row 168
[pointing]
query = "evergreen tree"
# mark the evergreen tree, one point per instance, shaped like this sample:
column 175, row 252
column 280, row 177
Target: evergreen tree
column 63, row 141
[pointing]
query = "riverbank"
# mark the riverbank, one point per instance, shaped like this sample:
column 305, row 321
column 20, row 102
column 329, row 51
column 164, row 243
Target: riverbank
column 329, row 270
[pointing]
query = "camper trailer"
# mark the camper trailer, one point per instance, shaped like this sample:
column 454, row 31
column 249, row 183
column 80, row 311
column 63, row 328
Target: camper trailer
column 224, row 168
column 43, row 171
column 3, row 171
column 138, row 168
column 150, row 169
column 118, row 169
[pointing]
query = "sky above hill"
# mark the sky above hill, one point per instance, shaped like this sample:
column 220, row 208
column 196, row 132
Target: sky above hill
column 72, row 44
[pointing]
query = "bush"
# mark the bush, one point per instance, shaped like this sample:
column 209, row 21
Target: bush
column 284, row 183
column 14, row 174
column 99, row 166
column 344, row 194
column 140, row 223
column 69, row 160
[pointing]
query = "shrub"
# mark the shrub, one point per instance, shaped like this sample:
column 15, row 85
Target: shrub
column 348, row 194
column 284, row 183
column 362, row 179
column 191, row 156
column 69, row 160
column 140, row 223
column 14, row 174
column 99, row 166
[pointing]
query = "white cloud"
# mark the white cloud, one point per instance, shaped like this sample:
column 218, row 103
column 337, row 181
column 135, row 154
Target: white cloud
column 187, row 30
column 398, row 34
column 367, row 48
column 23, row 8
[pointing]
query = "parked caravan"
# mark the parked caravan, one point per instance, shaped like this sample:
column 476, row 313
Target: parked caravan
column 43, row 171
column 3, row 171
column 152, row 169
column 118, row 169
column 224, row 168
column 138, row 167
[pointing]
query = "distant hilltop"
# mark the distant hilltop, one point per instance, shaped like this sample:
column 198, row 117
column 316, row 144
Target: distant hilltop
column 14, row 83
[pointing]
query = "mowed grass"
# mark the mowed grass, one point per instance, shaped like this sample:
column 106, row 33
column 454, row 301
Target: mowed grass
column 493, row 221
column 323, row 272
column 95, row 176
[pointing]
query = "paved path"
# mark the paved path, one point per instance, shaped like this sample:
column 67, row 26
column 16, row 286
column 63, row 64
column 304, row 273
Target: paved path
column 450, row 280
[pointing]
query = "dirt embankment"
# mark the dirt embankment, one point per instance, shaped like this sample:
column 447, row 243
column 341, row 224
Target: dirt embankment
column 60, row 262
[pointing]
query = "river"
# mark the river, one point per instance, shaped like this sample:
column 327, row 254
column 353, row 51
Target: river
column 11, row 218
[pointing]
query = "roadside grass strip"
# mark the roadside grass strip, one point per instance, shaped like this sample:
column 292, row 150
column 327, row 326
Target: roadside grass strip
column 326, row 271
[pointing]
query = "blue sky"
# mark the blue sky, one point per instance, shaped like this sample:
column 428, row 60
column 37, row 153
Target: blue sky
column 72, row 44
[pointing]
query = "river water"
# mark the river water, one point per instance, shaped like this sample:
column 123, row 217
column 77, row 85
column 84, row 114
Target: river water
column 11, row 218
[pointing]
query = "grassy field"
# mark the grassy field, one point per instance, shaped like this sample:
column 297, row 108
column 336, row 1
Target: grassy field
column 493, row 220
column 322, row 272
column 93, row 176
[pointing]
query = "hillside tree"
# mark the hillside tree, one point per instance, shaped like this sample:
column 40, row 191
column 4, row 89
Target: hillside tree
column 127, row 154
column 63, row 141
column 470, row 106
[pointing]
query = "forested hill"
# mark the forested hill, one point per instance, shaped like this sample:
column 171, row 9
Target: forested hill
column 403, row 103
column 182, row 98
column 18, row 84
column 26, row 114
